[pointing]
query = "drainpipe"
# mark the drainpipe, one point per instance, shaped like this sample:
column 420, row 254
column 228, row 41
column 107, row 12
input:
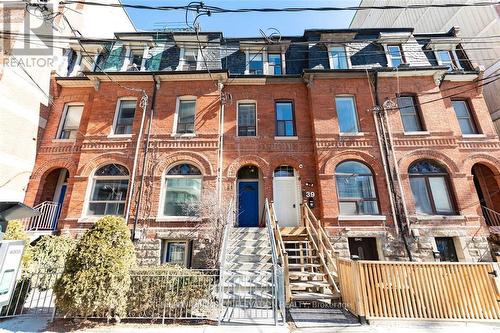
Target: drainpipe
column 220, row 157
column 146, row 151
column 400, row 205
column 144, row 105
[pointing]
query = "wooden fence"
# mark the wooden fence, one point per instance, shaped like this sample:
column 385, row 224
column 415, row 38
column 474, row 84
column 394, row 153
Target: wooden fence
column 464, row 291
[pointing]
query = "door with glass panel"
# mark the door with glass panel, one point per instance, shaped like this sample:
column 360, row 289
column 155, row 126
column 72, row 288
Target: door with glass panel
column 286, row 197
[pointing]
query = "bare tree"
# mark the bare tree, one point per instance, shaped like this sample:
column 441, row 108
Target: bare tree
column 210, row 231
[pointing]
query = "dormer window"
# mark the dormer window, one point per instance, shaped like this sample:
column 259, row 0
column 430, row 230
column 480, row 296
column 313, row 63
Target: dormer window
column 395, row 55
column 274, row 63
column 188, row 59
column 256, row 64
column 338, row 57
column 135, row 60
column 447, row 58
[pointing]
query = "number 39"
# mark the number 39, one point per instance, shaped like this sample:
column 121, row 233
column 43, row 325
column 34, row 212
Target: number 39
column 310, row 194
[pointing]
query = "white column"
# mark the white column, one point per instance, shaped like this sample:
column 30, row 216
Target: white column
column 126, row 60
column 283, row 63
column 76, row 68
column 247, row 62
column 94, row 65
column 144, row 58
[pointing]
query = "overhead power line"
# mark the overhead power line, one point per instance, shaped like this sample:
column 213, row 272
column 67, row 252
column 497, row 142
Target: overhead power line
column 220, row 10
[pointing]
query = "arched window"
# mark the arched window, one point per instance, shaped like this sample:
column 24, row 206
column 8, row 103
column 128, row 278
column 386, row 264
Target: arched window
column 182, row 188
column 356, row 189
column 109, row 190
column 284, row 171
column 430, row 187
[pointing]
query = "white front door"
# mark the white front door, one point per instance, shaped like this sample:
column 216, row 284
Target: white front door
column 286, row 201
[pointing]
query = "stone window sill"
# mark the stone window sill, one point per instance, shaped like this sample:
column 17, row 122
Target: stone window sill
column 63, row 140
column 419, row 133
column 438, row 217
column 473, row 136
column 120, row 136
column 286, row 138
column 183, row 136
column 352, row 134
column 362, row 218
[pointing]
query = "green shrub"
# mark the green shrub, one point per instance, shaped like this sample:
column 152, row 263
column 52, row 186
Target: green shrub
column 49, row 256
column 171, row 290
column 15, row 231
column 96, row 276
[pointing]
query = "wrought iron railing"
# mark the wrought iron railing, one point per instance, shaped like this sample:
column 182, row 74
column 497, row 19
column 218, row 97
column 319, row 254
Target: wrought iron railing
column 230, row 221
column 492, row 218
column 47, row 220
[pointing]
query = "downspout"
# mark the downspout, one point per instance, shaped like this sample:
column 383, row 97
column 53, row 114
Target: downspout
column 156, row 86
column 144, row 105
column 386, row 136
column 220, row 157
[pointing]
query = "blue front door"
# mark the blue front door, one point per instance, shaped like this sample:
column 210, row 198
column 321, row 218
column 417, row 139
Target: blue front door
column 248, row 204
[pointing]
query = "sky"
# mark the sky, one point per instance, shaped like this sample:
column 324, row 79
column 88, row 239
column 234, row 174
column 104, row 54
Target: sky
column 246, row 24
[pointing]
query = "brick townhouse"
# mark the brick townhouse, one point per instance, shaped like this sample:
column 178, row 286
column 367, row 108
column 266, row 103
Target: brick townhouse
column 383, row 133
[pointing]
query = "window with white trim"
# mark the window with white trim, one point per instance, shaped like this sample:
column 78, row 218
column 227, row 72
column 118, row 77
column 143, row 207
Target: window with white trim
column 256, row 63
column 446, row 58
column 124, row 118
column 182, row 190
column 109, row 191
column 70, row 122
column 346, row 114
column 185, row 116
column 410, row 115
column 395, row 54
column 338, row 56
column 274, row 64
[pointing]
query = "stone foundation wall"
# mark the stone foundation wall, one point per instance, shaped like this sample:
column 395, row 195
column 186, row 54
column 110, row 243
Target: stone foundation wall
column 148, row 252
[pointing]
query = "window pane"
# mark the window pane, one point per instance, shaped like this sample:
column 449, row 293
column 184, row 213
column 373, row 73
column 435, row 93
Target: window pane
column 339, row 57
column 246, row 119
column 346, row 113
column 351, row 167
column 125, row 117
column 355, row 187
column 176, row 253
column 110, row 190
column 411, row 123
column 284, row 119
column 256, row 64
column 112, row 170
column 284, row 111
column 420, row 195
column 395, row 54
column 348, row 208
column 368, row 207
column 440, row 194
column 180, row 192
column 73, row 116
column 284, row 171
column 185, row 121
column 445, row 58
column 425, row 167
column 184, row 169
column 464, row 117
column 274, row 62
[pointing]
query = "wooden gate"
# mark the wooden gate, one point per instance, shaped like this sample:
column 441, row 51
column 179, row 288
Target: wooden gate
column 464, row 291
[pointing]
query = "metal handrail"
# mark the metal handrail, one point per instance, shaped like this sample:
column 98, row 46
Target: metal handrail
column 230, row 219
column 492, row 217
column 47, row 220
column 278, row 284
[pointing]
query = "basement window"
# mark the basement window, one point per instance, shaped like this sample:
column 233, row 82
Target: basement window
column 176, row 252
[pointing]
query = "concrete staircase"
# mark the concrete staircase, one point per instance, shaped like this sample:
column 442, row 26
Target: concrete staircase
column 307, row 278
column 247, row 278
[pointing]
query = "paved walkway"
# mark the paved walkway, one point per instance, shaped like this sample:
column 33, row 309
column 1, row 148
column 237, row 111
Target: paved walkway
column 34, row 324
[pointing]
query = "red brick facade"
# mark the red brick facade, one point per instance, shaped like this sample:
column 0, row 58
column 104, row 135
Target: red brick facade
column 314, row 154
